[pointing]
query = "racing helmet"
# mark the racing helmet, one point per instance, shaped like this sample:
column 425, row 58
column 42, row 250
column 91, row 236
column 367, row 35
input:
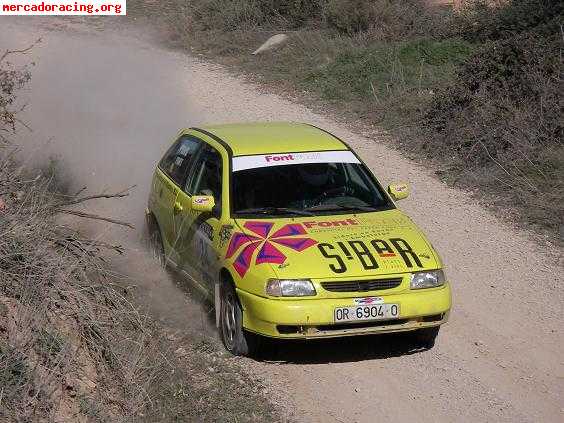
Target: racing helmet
column 315, row 174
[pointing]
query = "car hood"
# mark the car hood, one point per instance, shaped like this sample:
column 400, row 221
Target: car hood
column 338, row 246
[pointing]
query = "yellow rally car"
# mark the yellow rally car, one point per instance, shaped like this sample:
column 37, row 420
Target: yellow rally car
column 291, row 236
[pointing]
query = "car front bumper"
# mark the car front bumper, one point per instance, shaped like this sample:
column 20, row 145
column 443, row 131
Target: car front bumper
column 314, row 318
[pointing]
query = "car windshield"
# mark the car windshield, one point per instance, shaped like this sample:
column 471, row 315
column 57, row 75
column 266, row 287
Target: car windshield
column 306, row 189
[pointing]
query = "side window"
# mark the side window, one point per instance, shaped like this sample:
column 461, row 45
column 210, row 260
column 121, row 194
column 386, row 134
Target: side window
column 207, row 177
column 176, row 160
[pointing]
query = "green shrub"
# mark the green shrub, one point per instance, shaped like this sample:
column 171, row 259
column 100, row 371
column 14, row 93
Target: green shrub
column 522, row 69
column 499, row 123
column 481, row 21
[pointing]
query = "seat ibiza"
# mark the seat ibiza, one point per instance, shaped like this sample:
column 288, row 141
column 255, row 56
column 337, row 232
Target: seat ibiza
column 290, row 235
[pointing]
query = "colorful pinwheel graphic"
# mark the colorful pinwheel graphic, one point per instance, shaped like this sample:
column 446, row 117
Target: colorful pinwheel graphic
column 287, row 236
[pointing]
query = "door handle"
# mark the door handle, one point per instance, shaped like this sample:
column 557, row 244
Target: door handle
column 177, row 208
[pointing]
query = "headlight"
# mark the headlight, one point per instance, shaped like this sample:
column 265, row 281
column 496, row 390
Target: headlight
column 290, row 288
column 429, row 279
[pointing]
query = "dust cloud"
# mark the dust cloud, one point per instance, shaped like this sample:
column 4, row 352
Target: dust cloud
column 105, row 110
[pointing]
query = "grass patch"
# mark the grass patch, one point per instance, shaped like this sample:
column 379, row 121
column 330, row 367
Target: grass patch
column 387, row 79
column 382, row 70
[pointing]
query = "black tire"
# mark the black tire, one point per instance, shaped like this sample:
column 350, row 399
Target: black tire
column 155, row 242
column 236, row 339
column 426, row 337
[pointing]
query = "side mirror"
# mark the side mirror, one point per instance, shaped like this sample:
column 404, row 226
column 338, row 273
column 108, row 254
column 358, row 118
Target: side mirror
column 203, row 203
column 398, row 191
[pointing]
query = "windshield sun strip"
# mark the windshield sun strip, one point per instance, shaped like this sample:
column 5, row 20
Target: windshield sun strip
column 281, row 159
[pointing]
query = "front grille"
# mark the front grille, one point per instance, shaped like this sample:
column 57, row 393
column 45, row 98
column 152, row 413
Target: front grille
column 361, row 286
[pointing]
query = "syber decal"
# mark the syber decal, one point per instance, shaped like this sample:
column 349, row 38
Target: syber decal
column 366, row 254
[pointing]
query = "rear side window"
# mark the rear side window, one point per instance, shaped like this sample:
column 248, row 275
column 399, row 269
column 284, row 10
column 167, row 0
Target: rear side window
column 176, row 161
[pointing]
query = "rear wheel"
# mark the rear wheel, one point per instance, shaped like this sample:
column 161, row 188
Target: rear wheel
column 236, row 340
column 155, row 242
column 426, row 337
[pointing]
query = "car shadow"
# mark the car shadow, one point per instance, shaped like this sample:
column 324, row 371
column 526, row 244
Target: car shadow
column 338, row 350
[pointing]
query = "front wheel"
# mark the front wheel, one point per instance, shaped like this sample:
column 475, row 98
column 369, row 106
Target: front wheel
column 236, row 340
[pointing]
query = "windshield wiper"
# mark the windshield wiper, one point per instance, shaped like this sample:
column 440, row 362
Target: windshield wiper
column 275, row 210
column 327, row 207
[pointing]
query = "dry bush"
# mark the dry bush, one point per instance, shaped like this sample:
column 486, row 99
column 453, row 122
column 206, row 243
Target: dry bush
column 383, row 19
column 230, row 15
column 12, row 79
column 75, row 342
column 72, row 345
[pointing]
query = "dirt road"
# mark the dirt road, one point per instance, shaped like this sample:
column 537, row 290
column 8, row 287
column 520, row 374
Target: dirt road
column 111, row 102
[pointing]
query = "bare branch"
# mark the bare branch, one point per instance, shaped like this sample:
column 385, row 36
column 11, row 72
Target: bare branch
column 96, row 217
column 85, row 244
column 22, row 51
column 120, row 194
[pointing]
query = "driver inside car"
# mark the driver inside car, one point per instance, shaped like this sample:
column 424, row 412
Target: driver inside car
column 316, row 180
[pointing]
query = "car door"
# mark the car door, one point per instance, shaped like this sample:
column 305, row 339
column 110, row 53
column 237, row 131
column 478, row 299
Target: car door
column 198, row 255
column 171, row 174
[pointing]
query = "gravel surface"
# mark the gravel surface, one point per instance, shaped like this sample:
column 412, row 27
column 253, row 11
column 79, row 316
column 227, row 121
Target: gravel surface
column 112, row 100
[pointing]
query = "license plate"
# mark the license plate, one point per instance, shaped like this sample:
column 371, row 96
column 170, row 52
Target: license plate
column 367, row 312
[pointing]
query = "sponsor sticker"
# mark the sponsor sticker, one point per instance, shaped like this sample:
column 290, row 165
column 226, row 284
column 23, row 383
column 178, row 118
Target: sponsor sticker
column 341, row 252
column 283, row 159
column 271, row 244
column 330, row 223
